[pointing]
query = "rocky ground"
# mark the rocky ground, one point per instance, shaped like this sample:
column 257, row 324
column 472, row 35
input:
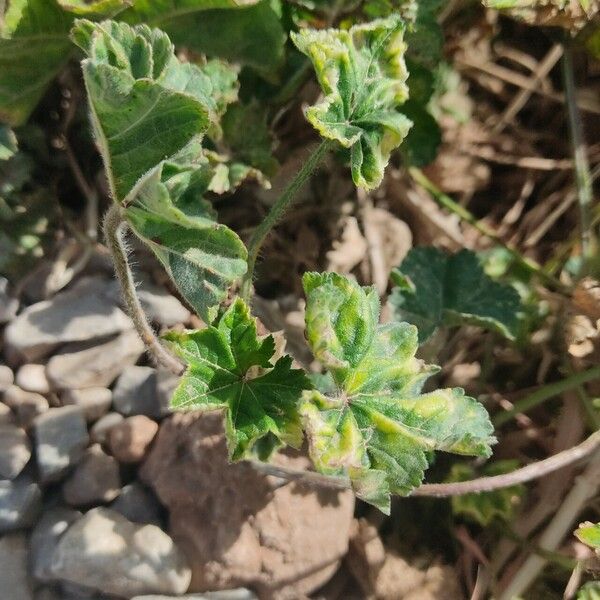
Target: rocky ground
column 104, row 494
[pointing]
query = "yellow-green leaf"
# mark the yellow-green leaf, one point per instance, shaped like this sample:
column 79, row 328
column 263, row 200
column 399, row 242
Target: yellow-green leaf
column 363, row 76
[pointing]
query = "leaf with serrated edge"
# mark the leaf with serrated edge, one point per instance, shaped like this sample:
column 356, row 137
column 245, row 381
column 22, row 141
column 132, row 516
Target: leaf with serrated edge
column 378, row 427
column 486, row 507
column 450, row 290
column 363, row 76
column 218, row 376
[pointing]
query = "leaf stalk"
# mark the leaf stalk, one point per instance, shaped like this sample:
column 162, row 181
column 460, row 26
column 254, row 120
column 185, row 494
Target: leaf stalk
column 115, row 228
column 282, row 204
column 530, row 472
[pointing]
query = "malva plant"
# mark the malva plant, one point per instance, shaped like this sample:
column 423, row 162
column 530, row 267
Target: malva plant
column 158, row 123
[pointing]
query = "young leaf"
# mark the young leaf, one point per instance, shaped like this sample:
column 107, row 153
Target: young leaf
column 202, row 256
column 486, row 507
column 145, row 105
column 149, row 112
column 363, row 76
column 589, row 534
column 222, row 361
column 378, row 427
column 435, row 289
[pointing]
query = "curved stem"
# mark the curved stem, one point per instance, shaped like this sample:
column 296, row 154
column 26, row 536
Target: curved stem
column 274, row 215
column 528, row 473
column 114, row 232
column 439, row 490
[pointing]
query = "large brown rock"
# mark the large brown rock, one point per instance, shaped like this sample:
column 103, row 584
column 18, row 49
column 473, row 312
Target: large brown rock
column 241, row 528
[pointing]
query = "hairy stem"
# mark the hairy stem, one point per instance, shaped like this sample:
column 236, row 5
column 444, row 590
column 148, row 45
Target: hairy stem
column 448, row 203
column 582, row 167
column 440, row 490
column 277, row 210
column 545, row 393
column 114, row 231
column 528, row 473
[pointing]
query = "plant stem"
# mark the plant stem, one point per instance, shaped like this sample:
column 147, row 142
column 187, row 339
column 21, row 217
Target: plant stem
column 281, row 205
column 439, row 490
column 533, row 471
column 114, row 232
column 546, row 392
column 582, row 167
column 444, row 200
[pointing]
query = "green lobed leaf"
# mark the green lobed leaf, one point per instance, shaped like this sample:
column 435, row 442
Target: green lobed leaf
column 251, row 34
column 222, row 361
column 378, row 427
column 486, row 507
column 34, row 46
column 363, row 76
column 434, row 289
column 589, row 534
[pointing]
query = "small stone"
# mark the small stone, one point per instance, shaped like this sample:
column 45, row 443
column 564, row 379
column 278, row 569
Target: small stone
column 130, row 440
column 97, row 366
column 6, row 415
column 236, row 594
column 45, row 537
column 95, row 479
column 7, row 378
column 20, row 502
column 14, row 582
column 101, row 428
column 61, row 439
column 95, row 401
column 166, row 383
column 15, row 451
column 135, row 393
column 85, row 312
column 27, row 406
column 105, row 551
column 31, row 377
column 159, row 306
column 300, row 532
column 138, row 504
column 8, row 304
